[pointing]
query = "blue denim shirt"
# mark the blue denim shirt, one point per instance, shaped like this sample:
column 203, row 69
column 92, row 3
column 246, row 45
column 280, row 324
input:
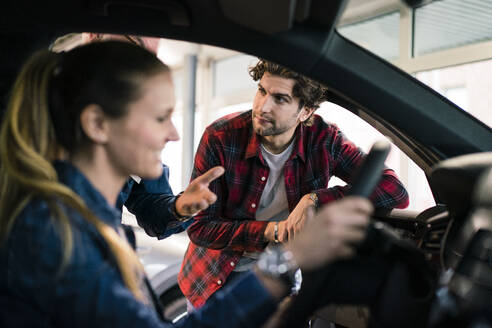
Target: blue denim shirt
column 90, row 291
column 151, row 201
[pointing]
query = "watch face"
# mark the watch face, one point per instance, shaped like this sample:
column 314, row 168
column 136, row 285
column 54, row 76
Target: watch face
column 279, row 263
column 314, row 197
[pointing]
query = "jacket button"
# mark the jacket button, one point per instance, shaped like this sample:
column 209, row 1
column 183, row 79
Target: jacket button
column 232, row 264
column 253, row 205
column 219, row 282
column 263, row 178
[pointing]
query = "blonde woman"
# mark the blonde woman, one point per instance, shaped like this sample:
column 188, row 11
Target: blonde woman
column 63, row 259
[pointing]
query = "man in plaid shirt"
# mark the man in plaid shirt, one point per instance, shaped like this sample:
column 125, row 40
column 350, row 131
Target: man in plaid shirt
column 278, row 160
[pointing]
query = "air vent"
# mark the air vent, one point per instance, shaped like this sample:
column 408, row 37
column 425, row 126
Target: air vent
column 432, row 234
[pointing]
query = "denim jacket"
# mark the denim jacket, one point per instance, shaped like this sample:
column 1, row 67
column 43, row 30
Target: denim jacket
column 151, row 201
column 89, row 292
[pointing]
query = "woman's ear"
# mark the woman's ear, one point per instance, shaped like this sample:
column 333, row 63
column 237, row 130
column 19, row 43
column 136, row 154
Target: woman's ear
column 94, row 123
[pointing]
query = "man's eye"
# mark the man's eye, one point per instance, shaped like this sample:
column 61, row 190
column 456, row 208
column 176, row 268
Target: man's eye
column 262, row 91
column 280, row 100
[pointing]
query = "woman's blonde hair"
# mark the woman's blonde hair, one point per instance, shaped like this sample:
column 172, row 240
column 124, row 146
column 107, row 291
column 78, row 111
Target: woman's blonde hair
column 42, row 118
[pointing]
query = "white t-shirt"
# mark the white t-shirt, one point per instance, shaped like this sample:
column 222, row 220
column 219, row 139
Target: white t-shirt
column 273, row 202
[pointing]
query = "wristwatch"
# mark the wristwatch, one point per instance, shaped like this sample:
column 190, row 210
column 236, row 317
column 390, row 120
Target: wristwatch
column 314, row 197
column 278, row 262
column 275, row 233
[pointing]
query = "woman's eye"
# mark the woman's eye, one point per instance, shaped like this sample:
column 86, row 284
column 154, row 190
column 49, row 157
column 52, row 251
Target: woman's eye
column 162, row 119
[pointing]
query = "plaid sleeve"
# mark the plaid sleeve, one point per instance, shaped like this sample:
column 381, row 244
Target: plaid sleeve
column 211, row 229
column 389, row 193
column 327, row 195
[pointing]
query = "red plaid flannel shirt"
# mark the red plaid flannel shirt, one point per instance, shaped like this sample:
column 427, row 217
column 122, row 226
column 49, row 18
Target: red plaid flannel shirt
column 221, row 234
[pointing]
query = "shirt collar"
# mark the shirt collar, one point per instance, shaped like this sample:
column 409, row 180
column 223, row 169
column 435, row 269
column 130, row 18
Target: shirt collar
column 253, row 147
column 71, row 176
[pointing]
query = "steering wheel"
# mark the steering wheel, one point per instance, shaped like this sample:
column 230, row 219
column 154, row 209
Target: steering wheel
column 386, row 268
column 369, row 173
column 364, row 182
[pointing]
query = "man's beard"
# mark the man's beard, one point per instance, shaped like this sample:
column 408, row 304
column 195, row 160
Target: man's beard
column 271, row 130
column 268, row 131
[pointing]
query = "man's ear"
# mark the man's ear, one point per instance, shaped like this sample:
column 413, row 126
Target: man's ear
column 306, row 113
column 94, row 123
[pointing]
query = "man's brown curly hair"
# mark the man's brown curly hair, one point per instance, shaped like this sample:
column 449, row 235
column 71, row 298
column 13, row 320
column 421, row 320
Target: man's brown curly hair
column 310, row 93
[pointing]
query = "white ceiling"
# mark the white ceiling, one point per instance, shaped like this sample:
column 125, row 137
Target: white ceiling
column 359, row 9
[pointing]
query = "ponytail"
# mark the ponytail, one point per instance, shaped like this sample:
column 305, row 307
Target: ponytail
column 28, row 147
column 27, row 141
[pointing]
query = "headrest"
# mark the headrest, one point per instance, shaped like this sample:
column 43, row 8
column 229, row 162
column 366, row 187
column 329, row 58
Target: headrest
column 483, row 192
column 454, row 180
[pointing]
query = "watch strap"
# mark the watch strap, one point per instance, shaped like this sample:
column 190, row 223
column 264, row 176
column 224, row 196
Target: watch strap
column 314, row 197
column 275, row 233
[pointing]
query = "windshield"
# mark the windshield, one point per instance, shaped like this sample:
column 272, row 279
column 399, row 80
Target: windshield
column 445, row 44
